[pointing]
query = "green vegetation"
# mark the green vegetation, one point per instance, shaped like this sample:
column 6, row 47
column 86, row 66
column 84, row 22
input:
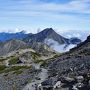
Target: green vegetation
column 14, row 86
column 16, row 69
column 35, row 55
column 13, row 60
column 2, row 59
column 44, row 63
column 17, row 72
column 2, row 67
column 37, row 61
column 57, row 55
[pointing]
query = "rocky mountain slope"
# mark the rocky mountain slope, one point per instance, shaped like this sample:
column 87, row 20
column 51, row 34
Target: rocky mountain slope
column 12, row 45
column 21, row 67
column 83, row 47
column 28, row 63
column 47, row 33
column 68, row 71
column 49, row 37
column 25, row 68
column 73, row 68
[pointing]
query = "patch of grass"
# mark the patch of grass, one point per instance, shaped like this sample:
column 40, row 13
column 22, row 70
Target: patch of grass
column 2, row 59
column 44, row 63
column 17, row 72
column 57, row 55
column 14, row 86
column 2, row 67
column 35, row 55
column 38, row 61
column 15, row 69
column 13, row 60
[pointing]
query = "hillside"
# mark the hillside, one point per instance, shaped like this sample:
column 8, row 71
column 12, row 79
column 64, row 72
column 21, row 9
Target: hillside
column 24, row 64
column 72, row 65
column 12, row 45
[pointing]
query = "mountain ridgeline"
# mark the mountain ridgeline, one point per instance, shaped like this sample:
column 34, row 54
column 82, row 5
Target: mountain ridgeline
column 47, row 33
column 46, row 40
column 8, row 36
column 12, row 45
column 72, row 68
column 31, row 62
column 83, row 47
column 49, row 37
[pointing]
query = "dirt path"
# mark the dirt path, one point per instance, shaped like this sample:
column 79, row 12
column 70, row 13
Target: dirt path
column 42, row 75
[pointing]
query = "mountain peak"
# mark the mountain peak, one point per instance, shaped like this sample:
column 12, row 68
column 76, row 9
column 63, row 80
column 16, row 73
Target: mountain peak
column 48, row 30
column 46, row 34
column 21, row 32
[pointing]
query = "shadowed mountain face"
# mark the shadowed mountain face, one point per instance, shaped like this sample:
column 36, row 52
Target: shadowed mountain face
column 47, row 33
column 49, row 37
column 74, row 40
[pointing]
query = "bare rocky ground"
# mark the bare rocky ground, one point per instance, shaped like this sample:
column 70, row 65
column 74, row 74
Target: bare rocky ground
column 16, row 81
column 20, row 68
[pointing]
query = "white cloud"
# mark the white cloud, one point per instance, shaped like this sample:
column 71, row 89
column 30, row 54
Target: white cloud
column 75, row 6
column 82, row 34
column 58, row 47
column 53, row 12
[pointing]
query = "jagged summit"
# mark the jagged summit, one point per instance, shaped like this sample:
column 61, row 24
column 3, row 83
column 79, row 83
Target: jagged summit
column 53, row 39
column 47, row 33
column 48, row 30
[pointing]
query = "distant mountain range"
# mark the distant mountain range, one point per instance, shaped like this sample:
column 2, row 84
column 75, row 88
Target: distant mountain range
column 7, row 36
column 46, row 37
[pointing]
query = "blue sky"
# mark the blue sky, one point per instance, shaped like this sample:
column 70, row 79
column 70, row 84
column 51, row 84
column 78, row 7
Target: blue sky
column 62, row 15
